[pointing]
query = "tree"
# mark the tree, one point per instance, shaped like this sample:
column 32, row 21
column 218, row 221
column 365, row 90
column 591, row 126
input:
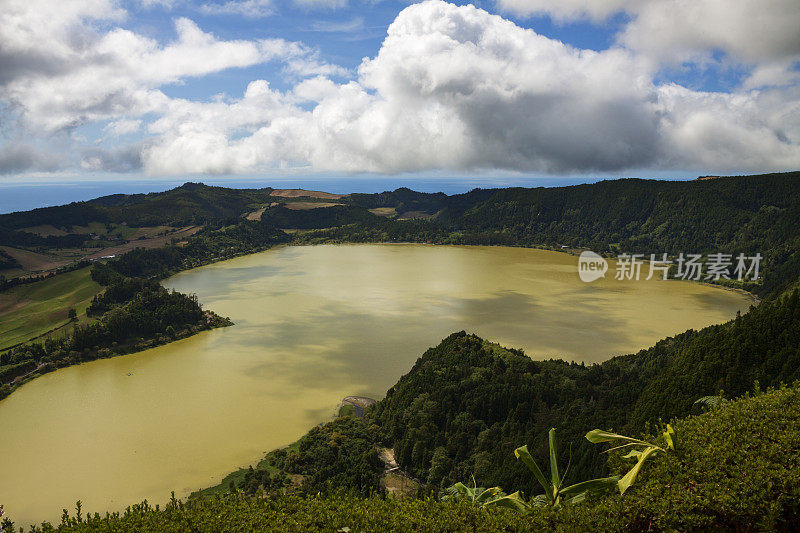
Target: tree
column 440, row 465
column 72, row 314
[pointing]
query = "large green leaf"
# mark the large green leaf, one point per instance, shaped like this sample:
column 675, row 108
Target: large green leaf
column 598, row 435
column 512, row 501
column 554, row 459
column 540, row 500
column 670, row 437
column 524, row 455
column 458, row 491
column 628, row 479
column 488, row 495
column 593, row 485
column 709, row 401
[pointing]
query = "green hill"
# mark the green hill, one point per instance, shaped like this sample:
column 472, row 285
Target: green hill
column 467, row 403
column 742, row 214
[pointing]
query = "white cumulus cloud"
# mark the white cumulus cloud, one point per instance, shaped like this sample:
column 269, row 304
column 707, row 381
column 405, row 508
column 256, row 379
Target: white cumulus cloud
column 454, row 87
column 451, row 87
column 77, row 74
column 683, row 30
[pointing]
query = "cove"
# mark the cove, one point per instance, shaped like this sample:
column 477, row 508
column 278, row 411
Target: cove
column 312, row 325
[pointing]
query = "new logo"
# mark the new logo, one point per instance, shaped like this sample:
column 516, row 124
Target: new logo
column 591, row 266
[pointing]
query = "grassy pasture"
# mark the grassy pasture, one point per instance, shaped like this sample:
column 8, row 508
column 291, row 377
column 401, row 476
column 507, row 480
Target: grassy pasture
column 384, row 211
column 33, row 261
column 303, row 206
column 30, row 310
column 45, row 230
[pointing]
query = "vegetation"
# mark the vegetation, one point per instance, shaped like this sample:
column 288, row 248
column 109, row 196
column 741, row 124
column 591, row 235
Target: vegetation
column 471, row 408
column 7, row 262
column 554, row 490
column 151, row 316
column 475, row 495
column 30, row 310
column 8, row 283
column 340, row 453
column 735, row 468
column 240, row 237
column 321, row 217
column 403, row 200
column 641, row 455
column 467, row 404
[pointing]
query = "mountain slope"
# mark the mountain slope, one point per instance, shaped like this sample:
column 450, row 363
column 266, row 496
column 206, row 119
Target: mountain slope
column 467, row 403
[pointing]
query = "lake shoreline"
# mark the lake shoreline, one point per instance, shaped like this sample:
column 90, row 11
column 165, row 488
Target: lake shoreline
column 495, row 291
column 43, row 369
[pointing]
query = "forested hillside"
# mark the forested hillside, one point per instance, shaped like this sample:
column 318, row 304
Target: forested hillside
column 747, row 214
column 467, row 404
column 744, row 214
column 130, row 316
column 191, row 203
column 240, row 237
column 71, row 226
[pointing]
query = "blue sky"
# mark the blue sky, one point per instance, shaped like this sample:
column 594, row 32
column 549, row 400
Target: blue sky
column 150, row 89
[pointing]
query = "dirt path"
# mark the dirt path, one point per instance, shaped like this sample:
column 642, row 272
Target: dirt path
column 387, row 456
column 396, row 482
column 19, row 379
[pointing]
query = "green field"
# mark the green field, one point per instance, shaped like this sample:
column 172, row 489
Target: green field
column 28, row 311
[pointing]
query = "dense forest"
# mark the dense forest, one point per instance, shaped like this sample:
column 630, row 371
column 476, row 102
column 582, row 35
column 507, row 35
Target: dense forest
column 467, row 404
column 331, row 456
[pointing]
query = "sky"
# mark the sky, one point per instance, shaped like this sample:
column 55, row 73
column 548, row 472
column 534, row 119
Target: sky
column 511, row 89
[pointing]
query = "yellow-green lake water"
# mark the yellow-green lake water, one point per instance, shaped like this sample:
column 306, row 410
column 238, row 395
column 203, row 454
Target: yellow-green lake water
column 313, row 324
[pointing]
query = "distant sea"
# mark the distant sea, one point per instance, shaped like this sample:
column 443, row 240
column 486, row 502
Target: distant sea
column 22, row 196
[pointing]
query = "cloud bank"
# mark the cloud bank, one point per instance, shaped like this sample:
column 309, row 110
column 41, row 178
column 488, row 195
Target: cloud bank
column 451, row 87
